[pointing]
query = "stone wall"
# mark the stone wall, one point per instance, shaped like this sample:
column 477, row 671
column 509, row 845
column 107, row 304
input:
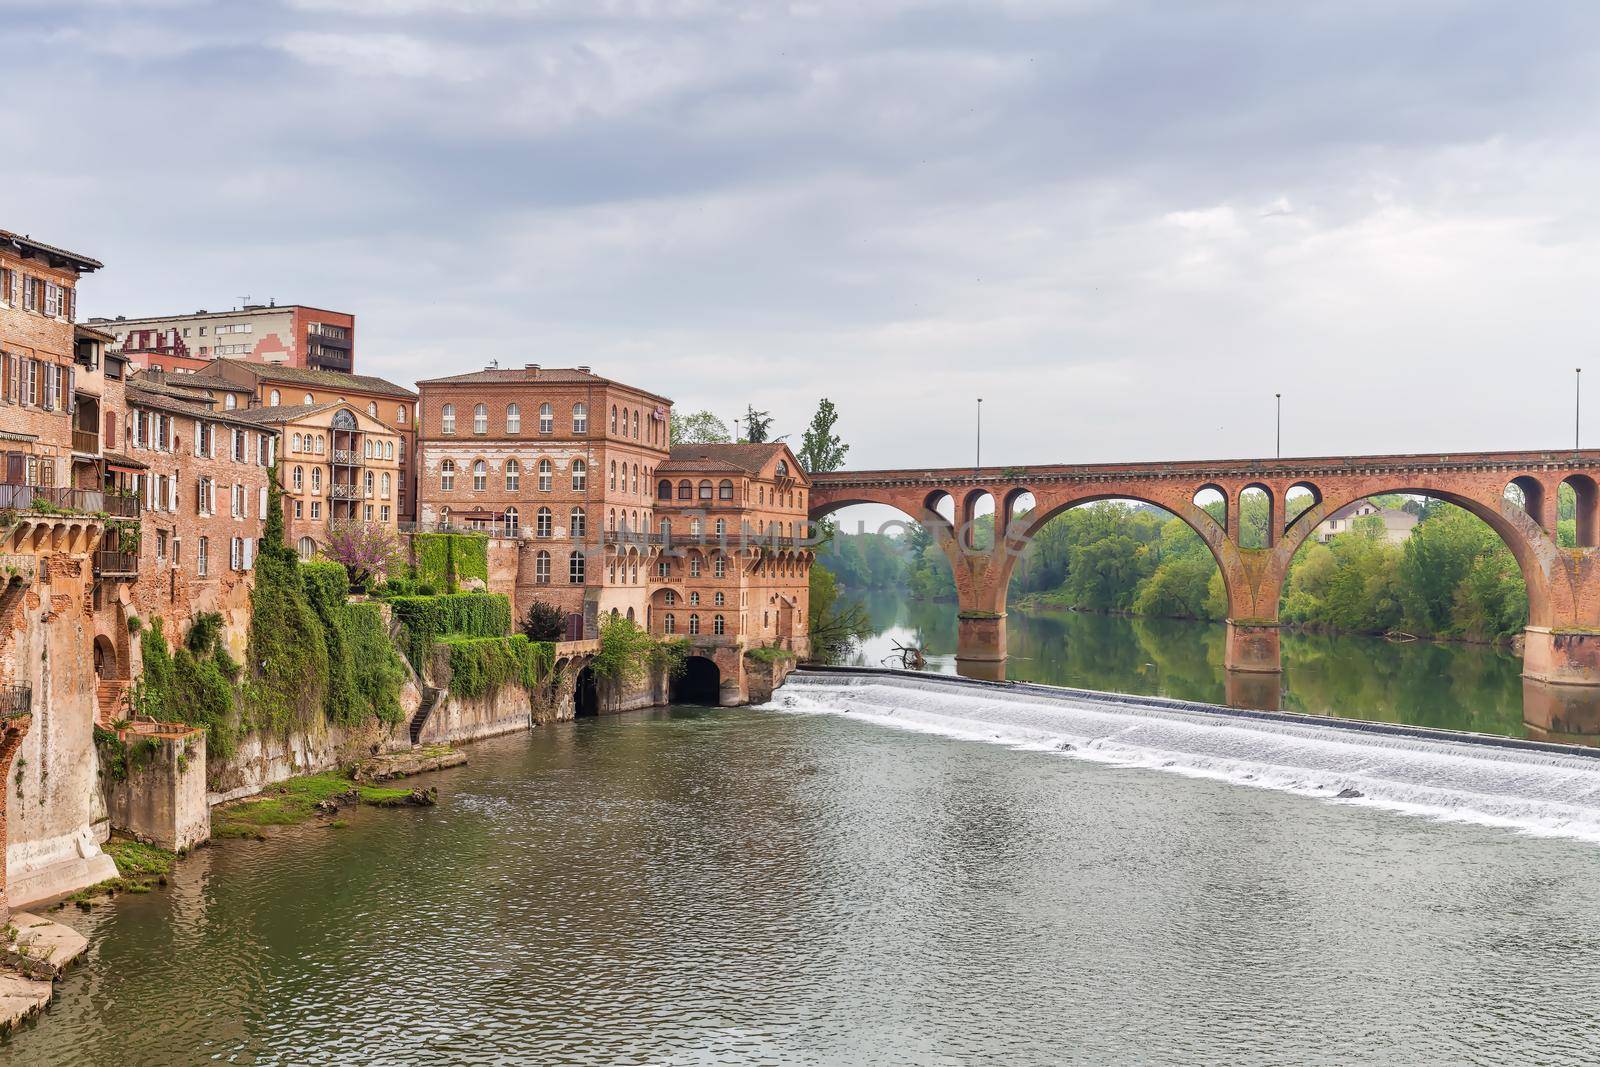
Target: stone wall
column 163, row 798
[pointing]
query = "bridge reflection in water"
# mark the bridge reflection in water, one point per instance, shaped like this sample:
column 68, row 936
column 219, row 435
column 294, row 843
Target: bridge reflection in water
column 1422, row 683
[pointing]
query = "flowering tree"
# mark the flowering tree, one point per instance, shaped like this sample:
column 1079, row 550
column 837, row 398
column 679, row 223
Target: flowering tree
column 368, row 552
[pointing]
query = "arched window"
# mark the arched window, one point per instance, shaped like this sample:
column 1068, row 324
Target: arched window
column 513, row 476
column 614, row 420
column 694, row 624
column 783, row 469
column 544, row 523
column 299, row 479
column 613, row 471
column 719, row 567
column 718, row 599
column 388, row 450
column 541, row 568
column 694, row 599
column 274, row 398
column 307, row 399
column 669, row 623
column 580, row 418
column 705, row 489
column 611, row 520
column 666, row 529
column 717, row 625
column 480, row 418
column 480, row 475
column 366, row 447
column 725, row 489
column 513, row 419
column 316, row 479
column 400, row 414
column 575, row 569
column 694, row 566
column 510, row 522
column 636, row 424
column 686, row 490
column 386, row 483
column 308, row 548
column 547, row 419
column 372, row 408
column 694, row 527
column 578, row 523
column 447, row 475
column 722, row 528
column 447, row 419
column 296, row 440
column 635, row 489
column 580, row 475
column 546, row 474
column 444, row 517
column 664, row 490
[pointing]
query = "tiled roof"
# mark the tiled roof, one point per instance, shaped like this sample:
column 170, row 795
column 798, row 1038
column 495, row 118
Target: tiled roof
column 117, row 459
column 746, row 458
column 522, row 376
column 167, row 401
column 282, row 413
column 327, row 379
column 52, row 250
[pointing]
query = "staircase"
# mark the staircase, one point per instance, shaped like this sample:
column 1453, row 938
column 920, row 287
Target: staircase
column 108, row 697
column 430, row 699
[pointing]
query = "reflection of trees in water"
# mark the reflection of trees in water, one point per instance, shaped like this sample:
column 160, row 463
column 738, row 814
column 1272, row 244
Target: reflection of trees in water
column 1461, row 687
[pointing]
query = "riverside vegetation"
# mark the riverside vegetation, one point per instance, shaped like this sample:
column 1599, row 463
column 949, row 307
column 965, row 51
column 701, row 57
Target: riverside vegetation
column 1452, row 578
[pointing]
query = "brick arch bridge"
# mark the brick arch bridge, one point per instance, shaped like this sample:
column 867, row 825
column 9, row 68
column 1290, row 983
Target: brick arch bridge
column 1563, row 634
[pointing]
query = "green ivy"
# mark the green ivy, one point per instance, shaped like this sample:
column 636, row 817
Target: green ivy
column 480, row 665
column 444, row 561
column 377, row 673
column 425, row 619
column 190, row 684
column 118, row 758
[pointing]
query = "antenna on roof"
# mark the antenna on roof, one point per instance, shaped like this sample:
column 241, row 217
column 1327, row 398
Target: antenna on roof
column 243, row 300
column 494, row 364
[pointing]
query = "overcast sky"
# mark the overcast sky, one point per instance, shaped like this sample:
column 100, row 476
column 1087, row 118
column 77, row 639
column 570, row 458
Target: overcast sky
column 1124, row 225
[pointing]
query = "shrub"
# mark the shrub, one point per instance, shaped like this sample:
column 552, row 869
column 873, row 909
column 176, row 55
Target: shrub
column 445, row 560
column 544, row 622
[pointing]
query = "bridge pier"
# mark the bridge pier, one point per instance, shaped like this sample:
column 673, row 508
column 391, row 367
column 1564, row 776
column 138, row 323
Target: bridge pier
column 1253, row 648
column 1565, row 657
column 980, row 638
column 1254, row 690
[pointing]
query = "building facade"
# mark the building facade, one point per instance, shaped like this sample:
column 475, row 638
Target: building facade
column 552, row 459
column 290, row 335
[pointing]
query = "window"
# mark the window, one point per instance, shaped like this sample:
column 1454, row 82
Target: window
column 480, row 476
column 613, row 484
column 635, row 489
column 316, row 479
column 664, row 490
column 578, row 523
column 400, row 414
column 725, row 489
column 367, row 448
column 546, row 476
column 663, row 568
column 671, row 599
column 274, row 398
column 694, row 566
column 718, row 599
column 307, row 399
column 694, row 599
column 580, row 418
column 694, row 624
column 719, row 567
column 447, row 419
column 372, row 408
column 297, row 507
column 320, row 443
column 694, row 527
column 722, row 528
column 203, row 557
column 717, row 625
column 513, row 419
column 447, row 475
column 547, row 419
column 543, row 523
column 705, row 490
column 296, row 443
column 316, row 510
column 511, row 522
column 541, row 568
column 299, row 479
column 366, row 485
column 236, row 553
column 575, row 569
column 614, row 420
column 580, row 475
column 386, row 484
column 513, row 476
column 685, row 490
column 384, row 512
column 308, row 548
column 480, row 419
column 670, row 623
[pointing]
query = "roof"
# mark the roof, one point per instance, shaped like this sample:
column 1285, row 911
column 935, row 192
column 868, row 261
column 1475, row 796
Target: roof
column 1350, row 509
column 746, row 458
column 158, row 382
column 232, row 313
column 24, row 242
column 284, row 413
column 328, row 379
column 167, row 401
column 80, row 330
column 524, row 375
column 117, row 459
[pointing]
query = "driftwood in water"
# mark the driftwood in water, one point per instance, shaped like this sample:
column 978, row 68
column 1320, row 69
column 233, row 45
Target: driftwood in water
column 906, row 657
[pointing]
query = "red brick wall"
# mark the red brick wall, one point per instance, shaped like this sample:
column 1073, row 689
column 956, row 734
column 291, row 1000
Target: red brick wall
column 28, row 335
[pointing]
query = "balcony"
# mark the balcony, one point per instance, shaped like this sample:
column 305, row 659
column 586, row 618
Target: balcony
column 86, row 442
column 108, row 563
column 60, row 500
column 346, row 457
column 344, row 491
column 15, row 700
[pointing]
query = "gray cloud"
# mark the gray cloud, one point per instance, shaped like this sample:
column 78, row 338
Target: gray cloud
column 1125, row 225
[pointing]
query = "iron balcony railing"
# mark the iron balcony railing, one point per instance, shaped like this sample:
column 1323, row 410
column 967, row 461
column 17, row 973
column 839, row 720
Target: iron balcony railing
column 110, row 561
column 62, row 500
column 15, row 700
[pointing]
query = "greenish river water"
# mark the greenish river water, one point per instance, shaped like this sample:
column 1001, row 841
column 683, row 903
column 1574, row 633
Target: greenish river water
column 743, row 886
column 1423, row 683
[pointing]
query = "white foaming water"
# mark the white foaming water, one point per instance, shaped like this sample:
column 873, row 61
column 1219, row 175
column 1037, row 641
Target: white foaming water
column 1545, row 793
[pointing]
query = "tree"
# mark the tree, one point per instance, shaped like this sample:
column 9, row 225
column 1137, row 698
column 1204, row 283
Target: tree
column 544, row 622
column 832, row 625
column 757, row 424
column 821, row 450
column 700, row 428
column 368, row 551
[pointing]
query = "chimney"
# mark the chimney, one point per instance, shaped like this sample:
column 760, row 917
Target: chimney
column 532, row 369
column 583, row 370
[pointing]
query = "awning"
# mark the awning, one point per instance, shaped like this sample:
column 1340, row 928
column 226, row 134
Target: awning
column 118, row 462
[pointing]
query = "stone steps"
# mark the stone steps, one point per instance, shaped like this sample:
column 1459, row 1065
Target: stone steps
column 430, row 700
column 108, row 700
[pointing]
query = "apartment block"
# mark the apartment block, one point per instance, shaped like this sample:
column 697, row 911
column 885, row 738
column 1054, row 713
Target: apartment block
column 289, row 335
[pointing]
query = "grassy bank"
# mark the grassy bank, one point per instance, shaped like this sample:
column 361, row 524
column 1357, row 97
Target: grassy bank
column 299, row 800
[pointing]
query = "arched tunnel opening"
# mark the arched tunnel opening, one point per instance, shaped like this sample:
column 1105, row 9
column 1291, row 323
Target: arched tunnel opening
column 700, row 683
column 585, row 695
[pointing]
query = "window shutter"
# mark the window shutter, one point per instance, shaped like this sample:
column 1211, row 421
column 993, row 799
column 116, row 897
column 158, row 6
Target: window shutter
column 262, row 503
column 172, row 493
column 249, row 552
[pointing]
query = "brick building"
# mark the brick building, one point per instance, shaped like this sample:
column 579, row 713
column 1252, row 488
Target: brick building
column 552, row 459
column 339, row 466
column 736, row 571
column 236, row 383
column 291, row 335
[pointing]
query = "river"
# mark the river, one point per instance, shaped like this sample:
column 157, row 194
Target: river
column 744, row 886
column 1423, row 683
